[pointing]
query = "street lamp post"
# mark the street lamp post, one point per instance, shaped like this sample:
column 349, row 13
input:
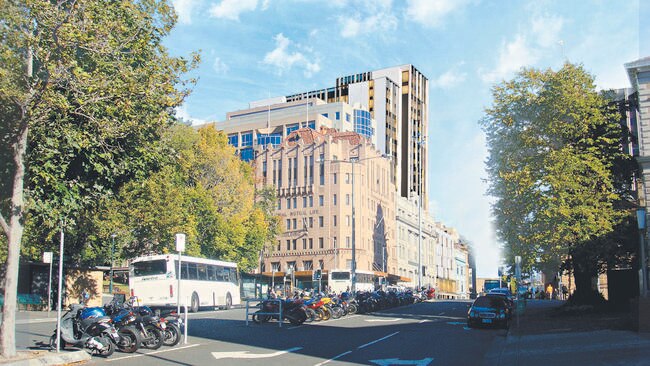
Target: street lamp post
column 643, row 279
column 354, row 247
column 110, row 286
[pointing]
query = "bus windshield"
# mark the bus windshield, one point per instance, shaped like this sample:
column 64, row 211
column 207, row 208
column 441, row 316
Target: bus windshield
column 149, row 268
column 340, row 276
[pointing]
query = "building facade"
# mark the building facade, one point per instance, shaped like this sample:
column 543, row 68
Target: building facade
column 327, row 183
column 398, row 99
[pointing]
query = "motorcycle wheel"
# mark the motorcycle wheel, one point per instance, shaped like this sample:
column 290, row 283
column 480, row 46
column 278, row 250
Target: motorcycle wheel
column 155, row 338
column 298, row 318
column 258, row 319
column 336, row 312
column 352, row 309
column 109, row 347
column 129, row 340
column 327, row 314
column 311, row 315
column 320, row 314
column 172, row 335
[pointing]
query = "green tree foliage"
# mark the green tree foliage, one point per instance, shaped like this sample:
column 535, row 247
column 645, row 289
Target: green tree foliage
column 207, row 192
column 86, row 90
column 554, row 147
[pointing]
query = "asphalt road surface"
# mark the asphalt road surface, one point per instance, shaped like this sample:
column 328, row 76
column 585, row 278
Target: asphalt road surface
column 430, row 333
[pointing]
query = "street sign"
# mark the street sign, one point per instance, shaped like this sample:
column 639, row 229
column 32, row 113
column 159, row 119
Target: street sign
column 180, row 242
column 47, row 257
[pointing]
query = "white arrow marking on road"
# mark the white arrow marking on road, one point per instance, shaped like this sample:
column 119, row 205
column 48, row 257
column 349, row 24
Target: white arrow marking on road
column 383, row 320
column 456, row 323
column 397, row 361
column 245, row 354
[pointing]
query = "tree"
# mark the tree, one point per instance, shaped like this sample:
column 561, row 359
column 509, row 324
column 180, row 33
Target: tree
column 86, row 89
column 554, row 144
column 206, row 191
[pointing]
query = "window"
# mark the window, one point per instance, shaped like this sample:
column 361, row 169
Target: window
column 334, row 177
column 347, row 242
column 151, row 268
column 192, row 273
column 275, row 266
column 304, row 244
column 288, row 244
column 338, row 115
column 308, row 265
column 233, row 140
column 334, row 241
column 304, row 202
column 295, row 241
column 347, row 117
column 311, row 201
column 279, row 243
column 291, row 265
column 347, row 178
column 325, row 115
column 295, row 225
column 334, row 199
column 320, row 221
column 247, row 139
column 311, row 222
column 202, row 270
column 311, row 243
column 288, row 203
column 347, row 220
column 279, row 205
column 321, row 264
column 347, row 199
column 321, row 243
column 295, row 202
column 321, row 200
column 247, row 154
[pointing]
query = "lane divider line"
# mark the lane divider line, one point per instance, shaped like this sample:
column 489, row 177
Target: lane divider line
column 378, row 340
column 152, row 353
column 333, row 358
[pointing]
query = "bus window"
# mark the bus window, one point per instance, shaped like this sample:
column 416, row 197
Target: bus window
column 191, row 271
column 212, row 273
column 150, row 268
column 203, row 271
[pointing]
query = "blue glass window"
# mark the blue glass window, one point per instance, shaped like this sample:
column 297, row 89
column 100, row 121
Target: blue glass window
column 247, row 139
column 291, row 128
column 264, row 139
column 312, row 125
column 363, row 123
column 325, row 115
column 247, row 154
column 338, row 116
column 347, row 117
column 233, row 140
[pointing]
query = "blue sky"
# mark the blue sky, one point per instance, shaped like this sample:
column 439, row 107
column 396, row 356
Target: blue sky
column 251, row 49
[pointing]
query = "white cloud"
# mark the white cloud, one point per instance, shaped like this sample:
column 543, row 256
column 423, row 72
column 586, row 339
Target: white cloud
column 183, row 114
column 219, row 66
column 231, row 9
column 512, row 57
column 451, row 78
column 284, row 59
column 546, row 30
column 432, row 13
column 184, row 9
column 370, row 17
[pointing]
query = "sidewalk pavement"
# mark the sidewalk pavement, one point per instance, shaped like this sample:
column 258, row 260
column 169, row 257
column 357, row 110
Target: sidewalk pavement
column 46, row 358
column 29, row 317
column 545, row 335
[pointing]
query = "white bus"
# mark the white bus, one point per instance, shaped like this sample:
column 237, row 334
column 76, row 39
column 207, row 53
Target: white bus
column 340, row 280
column 204, row 282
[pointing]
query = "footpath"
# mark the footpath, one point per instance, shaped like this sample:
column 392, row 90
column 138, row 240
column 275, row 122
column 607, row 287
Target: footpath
column 544, row 334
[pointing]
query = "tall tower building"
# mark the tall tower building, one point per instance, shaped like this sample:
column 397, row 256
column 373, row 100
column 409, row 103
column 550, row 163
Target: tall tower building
column 397, row 99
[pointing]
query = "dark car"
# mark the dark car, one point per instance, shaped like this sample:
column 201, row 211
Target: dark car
column 488, row 311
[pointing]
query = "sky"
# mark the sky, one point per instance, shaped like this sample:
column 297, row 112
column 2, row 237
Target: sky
column 253, row 49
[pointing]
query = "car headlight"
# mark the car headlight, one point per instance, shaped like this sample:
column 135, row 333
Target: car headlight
column 472, row 314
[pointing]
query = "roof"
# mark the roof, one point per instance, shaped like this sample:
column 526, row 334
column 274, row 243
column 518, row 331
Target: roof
column 309, row 136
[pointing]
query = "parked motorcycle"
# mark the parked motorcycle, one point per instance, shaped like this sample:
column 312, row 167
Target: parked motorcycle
column 94, row 332
column 292, row 310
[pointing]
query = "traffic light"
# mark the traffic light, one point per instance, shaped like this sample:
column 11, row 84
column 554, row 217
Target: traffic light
column 318, row 274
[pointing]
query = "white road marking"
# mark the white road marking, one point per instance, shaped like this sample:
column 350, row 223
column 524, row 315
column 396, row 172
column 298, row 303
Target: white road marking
column 443, row 313
column 383, row 320
column 378, row 340
column 333, row 358
column 152, row 353
column 245, row 354
column 424, row 321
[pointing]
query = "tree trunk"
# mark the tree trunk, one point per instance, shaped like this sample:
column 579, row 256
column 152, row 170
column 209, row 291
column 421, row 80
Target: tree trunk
column 584, row 271
column 14, row 237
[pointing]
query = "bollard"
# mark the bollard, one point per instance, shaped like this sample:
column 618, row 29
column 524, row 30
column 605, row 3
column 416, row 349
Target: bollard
column 186, row 325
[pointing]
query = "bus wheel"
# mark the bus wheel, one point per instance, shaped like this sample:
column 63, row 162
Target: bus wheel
column 228, row 301
column 194, row 307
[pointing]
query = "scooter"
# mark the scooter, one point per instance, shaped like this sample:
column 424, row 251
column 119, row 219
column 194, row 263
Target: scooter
column 95, row 333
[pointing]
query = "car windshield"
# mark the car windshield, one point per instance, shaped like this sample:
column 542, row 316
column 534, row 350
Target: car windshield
column 489, row 302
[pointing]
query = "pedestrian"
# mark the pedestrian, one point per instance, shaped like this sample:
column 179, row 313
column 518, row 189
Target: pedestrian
column 549, row 291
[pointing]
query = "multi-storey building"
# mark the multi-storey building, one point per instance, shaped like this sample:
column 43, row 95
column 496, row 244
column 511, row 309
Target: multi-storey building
column 445, row 261
column 270, row 121
column 461, row 269
column 327, row 182
column 398, row 99
column 411, row 222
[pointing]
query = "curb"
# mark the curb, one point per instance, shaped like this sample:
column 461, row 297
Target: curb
column 50, row 359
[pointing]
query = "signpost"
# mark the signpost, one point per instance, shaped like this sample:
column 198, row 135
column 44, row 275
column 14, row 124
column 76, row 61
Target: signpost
column 47, row 258
column 58, row 300
column 180, row 247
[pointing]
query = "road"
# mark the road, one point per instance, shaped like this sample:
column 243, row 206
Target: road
column 431, row 333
